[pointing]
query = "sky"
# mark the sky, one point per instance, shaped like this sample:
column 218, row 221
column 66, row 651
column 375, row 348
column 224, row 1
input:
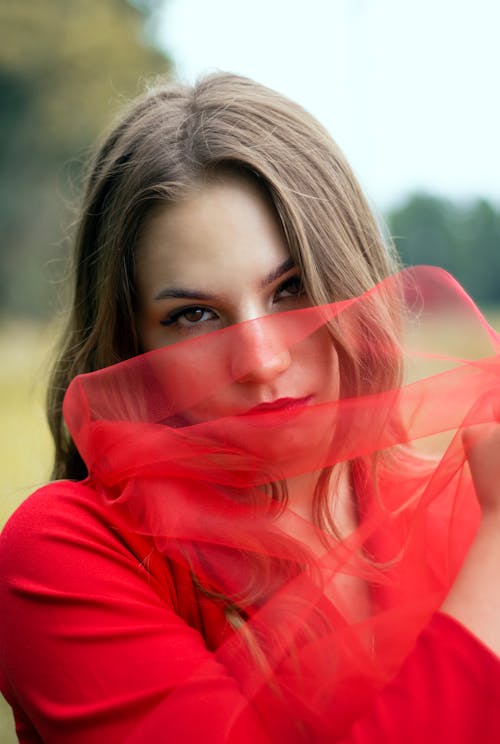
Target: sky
column 408, row 88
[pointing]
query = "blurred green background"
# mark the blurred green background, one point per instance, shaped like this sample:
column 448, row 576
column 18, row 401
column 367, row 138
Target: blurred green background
column 66, row 66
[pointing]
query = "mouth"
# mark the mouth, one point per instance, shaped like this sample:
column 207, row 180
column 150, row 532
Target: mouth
column 280, row 404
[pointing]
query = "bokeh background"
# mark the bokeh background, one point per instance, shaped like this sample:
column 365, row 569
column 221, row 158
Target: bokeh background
column 409, row 90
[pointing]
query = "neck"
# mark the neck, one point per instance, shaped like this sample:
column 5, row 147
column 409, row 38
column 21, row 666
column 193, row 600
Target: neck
column 298, row 519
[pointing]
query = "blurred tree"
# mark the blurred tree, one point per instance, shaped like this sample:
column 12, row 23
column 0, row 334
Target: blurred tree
column 462, row 238
column 482, row 251
column 65, row 67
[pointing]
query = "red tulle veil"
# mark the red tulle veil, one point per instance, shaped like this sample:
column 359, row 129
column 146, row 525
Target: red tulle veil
column 319, row 622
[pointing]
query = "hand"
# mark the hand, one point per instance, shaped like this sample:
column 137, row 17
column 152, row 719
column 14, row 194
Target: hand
column 482, row 448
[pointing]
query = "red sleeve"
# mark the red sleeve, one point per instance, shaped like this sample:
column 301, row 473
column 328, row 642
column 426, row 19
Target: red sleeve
column 89, row 642
column 91, row 649
column 448, row 690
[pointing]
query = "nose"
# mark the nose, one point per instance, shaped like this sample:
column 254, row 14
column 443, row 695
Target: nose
column 258, row 354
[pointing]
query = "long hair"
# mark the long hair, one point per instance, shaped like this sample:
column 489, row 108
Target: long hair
column 164, row 144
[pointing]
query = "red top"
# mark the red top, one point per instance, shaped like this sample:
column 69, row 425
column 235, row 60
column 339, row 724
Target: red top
column 102, row 639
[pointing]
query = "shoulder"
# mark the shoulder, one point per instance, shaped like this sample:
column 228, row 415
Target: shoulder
column 67, row 532
column 47, row 503
column 62, row 509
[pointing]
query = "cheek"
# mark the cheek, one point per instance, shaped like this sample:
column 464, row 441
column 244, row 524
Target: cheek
column 147, row 333
column 151, row 334
column 147, row 341
column 319, row 360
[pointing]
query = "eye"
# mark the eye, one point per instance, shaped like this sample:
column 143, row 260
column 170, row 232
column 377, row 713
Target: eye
column 187, row 317
column 291, row 287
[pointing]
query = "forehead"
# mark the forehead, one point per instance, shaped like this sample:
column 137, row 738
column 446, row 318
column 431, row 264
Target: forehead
column 223, row 229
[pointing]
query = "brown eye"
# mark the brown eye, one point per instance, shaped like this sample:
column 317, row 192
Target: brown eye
column 189, row 316
column 292, row 287
column 194, row 315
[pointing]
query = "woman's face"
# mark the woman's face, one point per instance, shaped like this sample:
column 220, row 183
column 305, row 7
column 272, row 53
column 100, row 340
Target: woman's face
column 216, row 259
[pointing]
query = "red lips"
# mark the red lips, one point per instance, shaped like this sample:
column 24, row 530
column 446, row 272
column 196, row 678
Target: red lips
column 280, row 404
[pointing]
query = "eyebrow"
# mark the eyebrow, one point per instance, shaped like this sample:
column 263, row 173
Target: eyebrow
column 198, row 294
column 277, row 272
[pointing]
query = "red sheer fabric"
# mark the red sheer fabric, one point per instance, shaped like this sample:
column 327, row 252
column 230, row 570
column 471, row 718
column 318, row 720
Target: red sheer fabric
column 174, row 445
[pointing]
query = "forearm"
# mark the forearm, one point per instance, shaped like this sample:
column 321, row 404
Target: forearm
column 474, row 599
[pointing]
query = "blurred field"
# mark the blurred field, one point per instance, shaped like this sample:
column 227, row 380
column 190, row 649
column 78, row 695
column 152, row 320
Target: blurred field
column 25, row 448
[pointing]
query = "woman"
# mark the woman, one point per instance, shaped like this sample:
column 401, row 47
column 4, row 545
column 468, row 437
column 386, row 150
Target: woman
column 244, row 547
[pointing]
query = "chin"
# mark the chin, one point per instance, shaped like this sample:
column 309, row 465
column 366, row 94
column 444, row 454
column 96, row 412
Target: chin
column 283, row 444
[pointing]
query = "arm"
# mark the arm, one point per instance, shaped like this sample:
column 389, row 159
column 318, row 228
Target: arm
column 474, row 599
column 449, row 687
column 90, row 643
column 448, row 690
